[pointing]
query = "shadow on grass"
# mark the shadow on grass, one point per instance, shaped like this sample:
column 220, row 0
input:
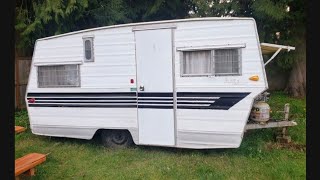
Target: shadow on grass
column 94, row 141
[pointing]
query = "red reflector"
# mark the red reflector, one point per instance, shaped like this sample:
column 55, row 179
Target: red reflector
column 131, row 81
column 31, row 100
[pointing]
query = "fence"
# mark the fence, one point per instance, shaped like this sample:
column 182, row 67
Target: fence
column 22, row 69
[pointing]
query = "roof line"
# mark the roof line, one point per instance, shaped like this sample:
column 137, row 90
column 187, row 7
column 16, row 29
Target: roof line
column 147, row 23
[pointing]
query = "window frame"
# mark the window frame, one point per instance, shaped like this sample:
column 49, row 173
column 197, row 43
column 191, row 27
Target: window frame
column 60, row 86
column 91, row 39
column 212, row 59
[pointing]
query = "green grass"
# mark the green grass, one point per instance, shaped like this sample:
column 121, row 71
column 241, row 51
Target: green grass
column 258, row 157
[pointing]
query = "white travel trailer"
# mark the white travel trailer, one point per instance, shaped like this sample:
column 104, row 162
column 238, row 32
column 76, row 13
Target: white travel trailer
column 187, row 83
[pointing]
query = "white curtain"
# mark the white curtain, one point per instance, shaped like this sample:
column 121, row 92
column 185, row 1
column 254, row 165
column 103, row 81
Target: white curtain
column 197, row 62
column 58, row 75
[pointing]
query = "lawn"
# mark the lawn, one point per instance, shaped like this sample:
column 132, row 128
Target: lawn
column 259, row 156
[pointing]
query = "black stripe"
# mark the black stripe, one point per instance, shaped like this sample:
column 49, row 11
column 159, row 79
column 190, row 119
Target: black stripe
column 114, row 102
column 156, row 99
column 155, row 102
column 226, row 102
column 195, row 99
column 151, row 102
column 208, row 94
column 203, row 107
column 80, row 98
column 154, row 107
column 148, row 94
column 79, row 105
column 83, row 102
column 193, row 103
column 87, row 94
column 102, row 106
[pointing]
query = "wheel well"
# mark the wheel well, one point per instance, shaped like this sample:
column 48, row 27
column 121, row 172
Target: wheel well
column 98, row 132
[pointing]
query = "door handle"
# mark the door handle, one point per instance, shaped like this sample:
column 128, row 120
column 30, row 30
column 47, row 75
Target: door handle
column 141, row 88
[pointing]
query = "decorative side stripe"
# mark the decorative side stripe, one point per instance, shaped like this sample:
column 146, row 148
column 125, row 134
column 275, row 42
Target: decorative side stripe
column 156, row 99
column 155, row 103
column 185, row 100
column 149, row 94
column 80, row 105
column 87, row 94
column 84, row 98
column 154, row 107
column 221, row 100
column 212, row 94
column 84, row 102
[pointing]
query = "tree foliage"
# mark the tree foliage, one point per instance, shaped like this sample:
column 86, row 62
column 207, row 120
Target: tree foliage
column 283, row 17
column 278, row 21
column 36, row 19
column 42, row 18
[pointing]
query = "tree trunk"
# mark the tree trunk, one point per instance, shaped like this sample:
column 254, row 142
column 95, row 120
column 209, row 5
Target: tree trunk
column 296, row 85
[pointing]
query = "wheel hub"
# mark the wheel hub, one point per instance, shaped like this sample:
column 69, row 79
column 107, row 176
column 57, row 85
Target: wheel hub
column 119, row 138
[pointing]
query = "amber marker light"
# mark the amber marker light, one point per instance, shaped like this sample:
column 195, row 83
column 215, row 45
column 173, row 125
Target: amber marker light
column 254, row 78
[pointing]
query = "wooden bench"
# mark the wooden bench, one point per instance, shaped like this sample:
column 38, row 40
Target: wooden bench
column 19, row 129
column 27, row 164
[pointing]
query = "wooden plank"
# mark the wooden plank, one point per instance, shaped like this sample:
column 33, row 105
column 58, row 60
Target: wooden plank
column 272, row 124
column 19, row 129
column 28, row 162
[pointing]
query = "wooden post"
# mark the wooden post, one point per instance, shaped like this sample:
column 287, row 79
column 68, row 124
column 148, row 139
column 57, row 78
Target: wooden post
column 22, row 70
column 286, row 111
column 17, row 83
column 31, row 172
column 283, row 137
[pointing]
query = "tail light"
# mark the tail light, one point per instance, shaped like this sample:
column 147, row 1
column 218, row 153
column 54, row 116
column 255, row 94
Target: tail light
column 31, row 100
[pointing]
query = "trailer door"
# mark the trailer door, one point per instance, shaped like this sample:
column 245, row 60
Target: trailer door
column 155, row 87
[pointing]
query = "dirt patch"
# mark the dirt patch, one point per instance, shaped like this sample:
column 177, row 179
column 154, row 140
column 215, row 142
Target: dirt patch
column 290, row 146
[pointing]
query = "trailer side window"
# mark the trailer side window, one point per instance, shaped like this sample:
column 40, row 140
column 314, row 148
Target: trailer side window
column 217, row 62
column 54, row 76
column 196, row 63
column 227, row 61
column 88, row 49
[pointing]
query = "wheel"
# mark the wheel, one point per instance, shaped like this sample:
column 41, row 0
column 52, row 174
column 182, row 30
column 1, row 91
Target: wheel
column 116, row 138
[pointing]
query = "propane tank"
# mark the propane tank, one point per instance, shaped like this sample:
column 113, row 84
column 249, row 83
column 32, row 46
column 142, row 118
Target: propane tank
column 260, row 112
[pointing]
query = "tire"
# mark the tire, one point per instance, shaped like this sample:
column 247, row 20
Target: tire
column 116, row 138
